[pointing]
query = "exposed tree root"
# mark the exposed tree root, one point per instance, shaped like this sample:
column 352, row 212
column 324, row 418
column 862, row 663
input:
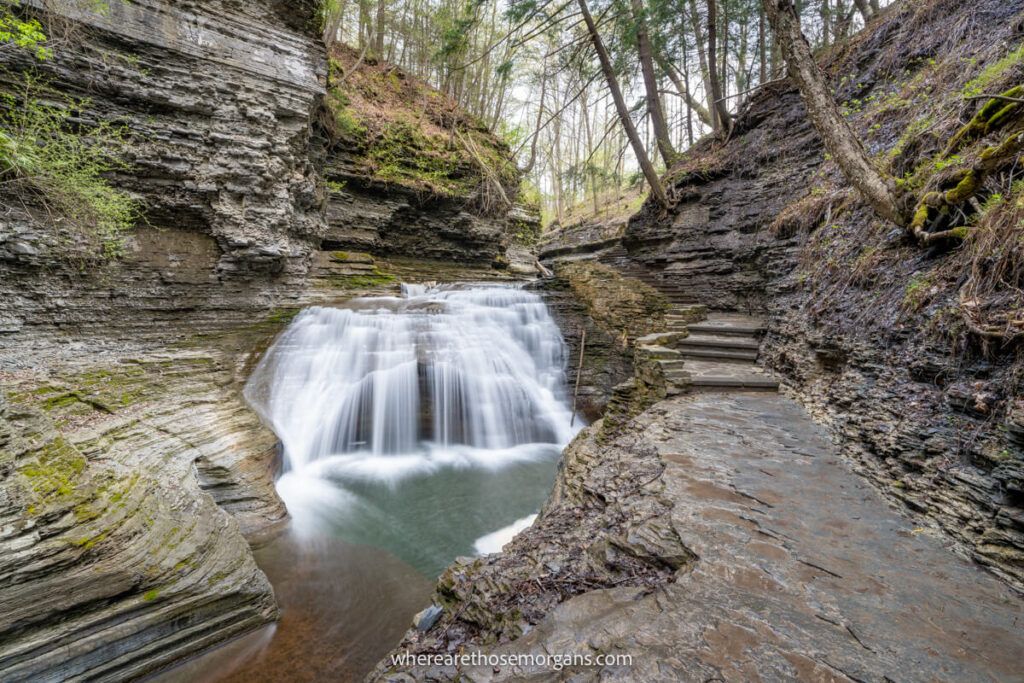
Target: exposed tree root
column 939, row 209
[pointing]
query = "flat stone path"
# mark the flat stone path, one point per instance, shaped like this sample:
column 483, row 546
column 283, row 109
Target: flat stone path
column 804, row 573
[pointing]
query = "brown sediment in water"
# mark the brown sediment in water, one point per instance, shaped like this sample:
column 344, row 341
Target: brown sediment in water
column 343, row 606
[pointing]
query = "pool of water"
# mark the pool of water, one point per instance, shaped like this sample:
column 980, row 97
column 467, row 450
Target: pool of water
column 416, row 430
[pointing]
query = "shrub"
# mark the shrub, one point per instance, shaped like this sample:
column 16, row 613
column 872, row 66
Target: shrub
column 43, row 155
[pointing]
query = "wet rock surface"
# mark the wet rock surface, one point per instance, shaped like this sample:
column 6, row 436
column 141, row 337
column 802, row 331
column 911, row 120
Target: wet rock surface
column 766, row 225
column 131, row 480
column 786, row 565
column 604, row 525
column 612, row 311
column 132, row 475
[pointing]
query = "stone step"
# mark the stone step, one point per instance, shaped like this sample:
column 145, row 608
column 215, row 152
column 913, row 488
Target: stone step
column 659, row 352
column 718, row 374
column 669, row 339
column 733, row 327
column 734, row 381
column 719, row 354
column 719, row 341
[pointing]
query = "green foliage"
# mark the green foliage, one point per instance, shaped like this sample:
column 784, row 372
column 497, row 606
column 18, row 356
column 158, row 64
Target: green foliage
column 347, row 124
column 993, row 72
column 404, row 152
column 42, row 153
column 22, row 33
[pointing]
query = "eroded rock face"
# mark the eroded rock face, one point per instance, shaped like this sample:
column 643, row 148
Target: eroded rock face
column 218, row 99
column 129, row 484
column 612, row 311
column 131, row 471
column 391, row 219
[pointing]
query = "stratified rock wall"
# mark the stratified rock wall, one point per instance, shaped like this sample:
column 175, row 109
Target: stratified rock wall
column 219, row 101
column 861, row 323
column 131, row 471
column 600, row 312
column 118, row 554
column 392, row 219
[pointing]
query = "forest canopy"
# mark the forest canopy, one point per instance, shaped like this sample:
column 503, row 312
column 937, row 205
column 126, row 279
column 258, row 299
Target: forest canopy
column 565, row 81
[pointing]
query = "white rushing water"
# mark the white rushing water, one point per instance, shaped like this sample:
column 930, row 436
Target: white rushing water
column 496, row 540
column 393, row 386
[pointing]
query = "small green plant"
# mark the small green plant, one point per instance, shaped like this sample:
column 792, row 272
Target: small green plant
column 992, row 73
column 348, row 125
column 65, row 169
column 917, row 292
column 25, row 34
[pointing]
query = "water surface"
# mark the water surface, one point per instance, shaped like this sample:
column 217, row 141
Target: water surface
column 415, row 429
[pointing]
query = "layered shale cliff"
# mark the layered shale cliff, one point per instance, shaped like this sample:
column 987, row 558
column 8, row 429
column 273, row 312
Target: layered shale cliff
column 131, row 471
column 217, row 100
column 876, row 334
column 411, row 174
column 133, row 477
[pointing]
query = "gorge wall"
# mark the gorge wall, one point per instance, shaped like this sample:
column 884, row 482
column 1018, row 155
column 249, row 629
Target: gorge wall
column 131, row 471
column 218, row 100
column 133, row 476
column 865, row 327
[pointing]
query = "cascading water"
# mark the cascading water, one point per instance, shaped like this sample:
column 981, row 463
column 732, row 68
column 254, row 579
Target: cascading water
column 432, row 418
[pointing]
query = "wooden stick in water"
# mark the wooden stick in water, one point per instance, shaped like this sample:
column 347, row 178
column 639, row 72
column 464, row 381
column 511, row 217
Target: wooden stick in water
column 579, row 370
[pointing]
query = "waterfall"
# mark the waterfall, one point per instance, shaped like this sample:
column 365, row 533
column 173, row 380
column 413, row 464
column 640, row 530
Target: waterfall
column 441, row 376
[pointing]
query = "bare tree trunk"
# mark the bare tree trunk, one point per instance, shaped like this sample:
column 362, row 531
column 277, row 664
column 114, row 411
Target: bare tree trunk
column 379, row 47
column 721, row 111
column 762, row 48
column 363, row 23
column 835, row 131
column 742, row 80
column 684, row 89
column 585, row 111
column 843, row 21
column 689, row 101
column 654, row 108
column 540, row 116
column 864, row 8
column 620, row 106
column 703, row 61
column 826, row 22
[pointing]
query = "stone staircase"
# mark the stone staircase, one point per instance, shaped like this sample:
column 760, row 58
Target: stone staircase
column 699, row 351
column 714, row 354
column 617, row 257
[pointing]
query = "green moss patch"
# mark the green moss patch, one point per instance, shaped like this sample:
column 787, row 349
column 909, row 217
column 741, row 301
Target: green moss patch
column 56, row 472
